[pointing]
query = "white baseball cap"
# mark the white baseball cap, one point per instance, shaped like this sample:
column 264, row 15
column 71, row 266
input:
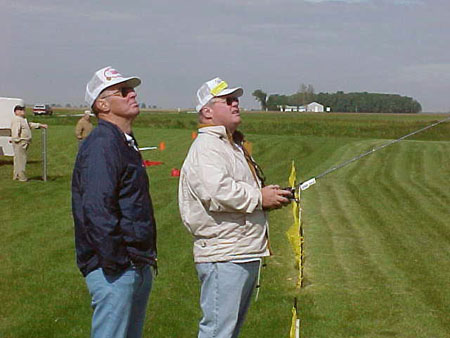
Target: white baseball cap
column 104, row 78
column 214, row 88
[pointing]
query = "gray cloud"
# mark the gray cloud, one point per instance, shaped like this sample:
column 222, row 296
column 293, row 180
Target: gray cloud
column 52, row 48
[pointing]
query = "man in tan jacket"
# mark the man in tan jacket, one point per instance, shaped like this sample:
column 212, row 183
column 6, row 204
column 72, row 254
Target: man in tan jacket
column 84, row 126
column 21, row 138
column 223, row 203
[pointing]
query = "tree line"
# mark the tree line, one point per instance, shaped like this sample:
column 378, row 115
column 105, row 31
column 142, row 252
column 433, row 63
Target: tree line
column 363, row 102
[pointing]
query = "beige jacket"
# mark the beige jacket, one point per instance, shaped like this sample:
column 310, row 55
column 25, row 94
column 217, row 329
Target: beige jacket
column 83, row 128
column 220, row 200
column 21, row 130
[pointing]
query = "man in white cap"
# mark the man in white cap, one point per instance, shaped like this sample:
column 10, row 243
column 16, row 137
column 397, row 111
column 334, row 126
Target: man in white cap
column 223, row 203
column 84, row 126
column 21, row 139
column 115, row 230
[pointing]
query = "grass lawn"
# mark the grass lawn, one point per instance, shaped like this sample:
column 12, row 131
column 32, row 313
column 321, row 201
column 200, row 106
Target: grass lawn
column 377, row 232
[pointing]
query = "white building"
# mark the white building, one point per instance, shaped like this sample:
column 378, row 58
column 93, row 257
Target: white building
column 314, row 107
column 292, row 108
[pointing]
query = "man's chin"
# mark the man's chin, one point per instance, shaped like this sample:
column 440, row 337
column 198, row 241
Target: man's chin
column 135, row 109
column 235, row 125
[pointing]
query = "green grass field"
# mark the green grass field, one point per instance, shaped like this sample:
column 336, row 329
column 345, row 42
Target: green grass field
column 377, row 232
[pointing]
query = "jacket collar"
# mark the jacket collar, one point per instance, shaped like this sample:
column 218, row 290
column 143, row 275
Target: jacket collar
column 217, row 131
column 112, row 127
column 221, row 132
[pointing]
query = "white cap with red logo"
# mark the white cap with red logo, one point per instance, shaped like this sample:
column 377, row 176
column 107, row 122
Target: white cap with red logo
column 104, row 78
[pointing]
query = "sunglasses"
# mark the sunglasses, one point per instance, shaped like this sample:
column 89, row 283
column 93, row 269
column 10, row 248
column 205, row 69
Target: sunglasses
column 228, row 100
column 121, row 92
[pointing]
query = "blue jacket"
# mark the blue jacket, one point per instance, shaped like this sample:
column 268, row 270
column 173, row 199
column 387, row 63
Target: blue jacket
column 111, row 204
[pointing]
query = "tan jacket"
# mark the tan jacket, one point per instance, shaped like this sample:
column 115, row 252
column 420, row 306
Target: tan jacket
column 220, row 200
column 21, row 130
column 83, row 128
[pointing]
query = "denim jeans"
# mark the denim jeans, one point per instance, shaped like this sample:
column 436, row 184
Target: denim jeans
column 119, row 301
column 226, row 292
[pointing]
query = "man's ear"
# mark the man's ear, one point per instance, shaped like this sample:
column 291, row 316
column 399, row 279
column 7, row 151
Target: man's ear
column 207, row 112
column 102, row 106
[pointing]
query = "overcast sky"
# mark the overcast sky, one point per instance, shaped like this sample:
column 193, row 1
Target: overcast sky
column 50, row 49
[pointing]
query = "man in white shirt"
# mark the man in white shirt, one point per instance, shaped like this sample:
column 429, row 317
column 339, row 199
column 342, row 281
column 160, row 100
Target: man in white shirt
column 223, row 203
column 21, row 139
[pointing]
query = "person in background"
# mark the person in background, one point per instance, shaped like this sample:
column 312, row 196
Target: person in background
column 84, row 126
column 223, row 203
column 115, row 229
column 21, row 139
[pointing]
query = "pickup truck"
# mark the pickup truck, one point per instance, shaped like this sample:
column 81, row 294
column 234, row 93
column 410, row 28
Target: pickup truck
column 42, row 109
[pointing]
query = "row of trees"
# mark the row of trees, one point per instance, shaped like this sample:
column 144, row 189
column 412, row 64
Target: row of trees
column 340, row 101
column 68, row 105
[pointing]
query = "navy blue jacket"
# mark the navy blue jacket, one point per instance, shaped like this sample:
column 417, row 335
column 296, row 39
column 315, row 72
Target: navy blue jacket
column 111, row 204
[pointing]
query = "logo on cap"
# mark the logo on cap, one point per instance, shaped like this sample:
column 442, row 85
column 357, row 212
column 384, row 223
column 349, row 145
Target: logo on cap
column 111, row 73
column 220, row 87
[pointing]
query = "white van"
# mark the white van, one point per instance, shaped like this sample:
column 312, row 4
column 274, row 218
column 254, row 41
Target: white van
column 7, row 105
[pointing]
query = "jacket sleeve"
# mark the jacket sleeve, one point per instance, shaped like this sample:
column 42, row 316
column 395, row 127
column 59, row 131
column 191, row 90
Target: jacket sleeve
column 78, row 130
column 100, row 175
column 34, row 125
column 223, row 192
column 15, row 131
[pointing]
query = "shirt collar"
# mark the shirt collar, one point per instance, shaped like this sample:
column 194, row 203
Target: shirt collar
column 131, row 142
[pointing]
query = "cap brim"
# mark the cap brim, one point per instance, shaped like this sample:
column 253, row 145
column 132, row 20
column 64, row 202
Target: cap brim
column 238, row 91
column 132, row 82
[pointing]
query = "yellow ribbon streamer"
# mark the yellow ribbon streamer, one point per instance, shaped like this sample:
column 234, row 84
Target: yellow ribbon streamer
column 294, row 233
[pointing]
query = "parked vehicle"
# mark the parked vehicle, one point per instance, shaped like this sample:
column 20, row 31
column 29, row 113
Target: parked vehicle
column 7, row 105
column 42, row 109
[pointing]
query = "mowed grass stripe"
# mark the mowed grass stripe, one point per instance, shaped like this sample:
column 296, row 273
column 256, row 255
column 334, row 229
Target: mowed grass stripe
column 433, row 201
column 412, row 227
column 436, row 176
column 410, row 198
column 377, row 206
column 408, row 257
column 400, row 257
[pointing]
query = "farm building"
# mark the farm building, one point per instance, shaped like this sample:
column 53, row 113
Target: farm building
column 292, row 108
column 312, row 107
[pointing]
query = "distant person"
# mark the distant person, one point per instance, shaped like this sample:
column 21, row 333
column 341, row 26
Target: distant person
column 84, row 126
column 115, row 230
column 223, row 203
column 21, row 139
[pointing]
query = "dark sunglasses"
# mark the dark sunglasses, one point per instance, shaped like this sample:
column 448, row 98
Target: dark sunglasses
column 121, row 92
column 228, row 100
column 231, row 99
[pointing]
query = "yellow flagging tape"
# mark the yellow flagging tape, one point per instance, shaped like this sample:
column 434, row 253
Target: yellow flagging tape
column 295, row 324
column 295, row 236
column 295, row 232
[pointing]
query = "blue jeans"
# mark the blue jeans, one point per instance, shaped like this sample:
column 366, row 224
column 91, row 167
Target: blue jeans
column 225, row 296
column 119, row 301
